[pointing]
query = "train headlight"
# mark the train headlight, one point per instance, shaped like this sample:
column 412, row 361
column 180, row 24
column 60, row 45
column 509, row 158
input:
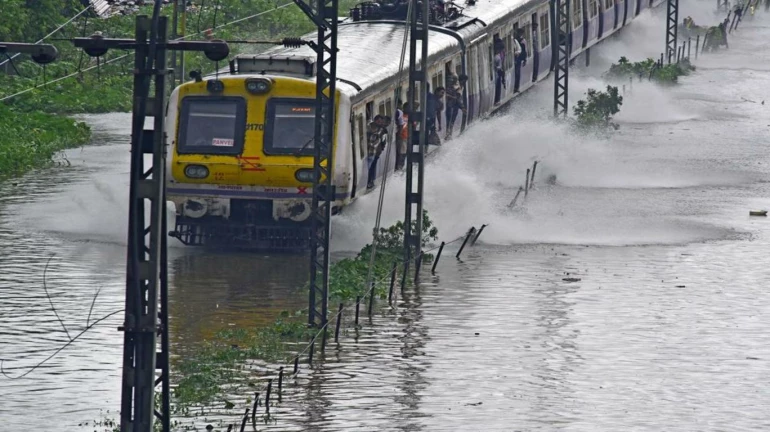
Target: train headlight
column 215, row 86
column 258, row 85
column 305, row 175
column 196, row 171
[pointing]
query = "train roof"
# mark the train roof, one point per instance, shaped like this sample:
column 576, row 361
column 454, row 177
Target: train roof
column 370, row 51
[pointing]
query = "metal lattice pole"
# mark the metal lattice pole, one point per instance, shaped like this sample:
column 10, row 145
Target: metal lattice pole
column 418, row 81
column 325, row 17
column 146, row 269
column 672, row 17
column 561, row 36
column 145, row 358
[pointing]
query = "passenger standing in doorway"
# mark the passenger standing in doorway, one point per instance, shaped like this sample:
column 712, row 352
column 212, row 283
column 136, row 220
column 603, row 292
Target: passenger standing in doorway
column 499, row 69
column 520, row 60
column 431, row 108
column 454, row 103
column 374, row 147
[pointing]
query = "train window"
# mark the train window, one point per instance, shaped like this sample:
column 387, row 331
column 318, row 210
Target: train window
column 381, row 109
column 361, row 135
column 369, row 111
column 388, row 108
column 577, row 13
column 290, row 126
column 545, row 31
column 593, row 5
column 608, row 4
column 212, row 125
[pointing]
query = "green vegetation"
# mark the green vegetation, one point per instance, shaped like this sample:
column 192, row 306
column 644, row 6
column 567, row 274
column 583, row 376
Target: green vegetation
column 29, row 139
column 223, row 362
column 596, row 111
column 624, row 70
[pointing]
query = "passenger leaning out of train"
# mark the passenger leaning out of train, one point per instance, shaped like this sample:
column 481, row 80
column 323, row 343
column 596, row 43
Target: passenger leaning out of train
column 375, row 145
column 520, row 60
column 454, row 103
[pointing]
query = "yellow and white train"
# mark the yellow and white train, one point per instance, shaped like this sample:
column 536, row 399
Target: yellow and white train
column 241, row 142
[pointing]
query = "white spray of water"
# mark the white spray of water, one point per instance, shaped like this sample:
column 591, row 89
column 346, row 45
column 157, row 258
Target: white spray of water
column 473, row 178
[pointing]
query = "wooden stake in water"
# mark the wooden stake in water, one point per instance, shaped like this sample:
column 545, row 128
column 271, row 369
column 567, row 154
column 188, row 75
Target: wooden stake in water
column 337, row 326
column 526, row 184
column 438, row 256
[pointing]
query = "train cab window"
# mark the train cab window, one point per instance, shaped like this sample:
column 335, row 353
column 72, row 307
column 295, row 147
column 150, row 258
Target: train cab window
column 545, row 31
column 577, row 13
column 290, row 126
column 212, row 125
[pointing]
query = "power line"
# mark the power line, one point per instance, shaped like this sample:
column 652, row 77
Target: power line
column 126, row 55
column 53, row 32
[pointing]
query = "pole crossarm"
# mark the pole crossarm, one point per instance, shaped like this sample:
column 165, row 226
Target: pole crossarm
column 561, row 37
column 40, row 53
column 324, row 13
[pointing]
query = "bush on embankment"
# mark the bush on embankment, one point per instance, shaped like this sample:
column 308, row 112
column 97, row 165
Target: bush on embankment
column 29, row 139
column 648, row 69
column 220, row 363
column 594, row 113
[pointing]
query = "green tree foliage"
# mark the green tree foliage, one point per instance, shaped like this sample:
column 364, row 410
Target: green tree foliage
column 596, row 111
column 29, row 140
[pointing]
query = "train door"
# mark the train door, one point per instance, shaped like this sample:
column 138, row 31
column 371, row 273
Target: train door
column 625, row 11
column 584, row 5
column 577, row 37
column 616, row 12
column 535, row 47
column 541, row 40
column 600, row 6
column 359, row 147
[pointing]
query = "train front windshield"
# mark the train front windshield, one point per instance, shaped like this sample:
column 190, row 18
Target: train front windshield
column 212, row 125
column 290, row 126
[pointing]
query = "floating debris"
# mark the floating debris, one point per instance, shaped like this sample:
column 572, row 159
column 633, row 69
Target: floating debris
column 758, row 213
column 571, row 279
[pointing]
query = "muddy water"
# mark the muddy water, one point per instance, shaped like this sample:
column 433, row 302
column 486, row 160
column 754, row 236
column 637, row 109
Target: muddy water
column 664, row 328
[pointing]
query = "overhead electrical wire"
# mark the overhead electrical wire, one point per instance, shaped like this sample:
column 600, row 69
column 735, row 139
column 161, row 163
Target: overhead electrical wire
column 239, row 20
column 53, row 32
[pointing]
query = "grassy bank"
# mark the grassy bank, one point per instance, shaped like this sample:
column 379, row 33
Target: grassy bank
column 221, row 363
column 29, row 140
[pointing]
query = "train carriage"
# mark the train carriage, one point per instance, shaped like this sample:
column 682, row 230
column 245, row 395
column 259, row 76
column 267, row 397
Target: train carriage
column 241, row 141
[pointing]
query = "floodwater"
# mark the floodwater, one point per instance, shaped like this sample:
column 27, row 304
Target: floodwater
column 661, row 323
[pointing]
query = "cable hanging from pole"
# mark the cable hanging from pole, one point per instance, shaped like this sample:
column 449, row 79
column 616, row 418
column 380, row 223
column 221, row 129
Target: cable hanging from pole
column 378, row 219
